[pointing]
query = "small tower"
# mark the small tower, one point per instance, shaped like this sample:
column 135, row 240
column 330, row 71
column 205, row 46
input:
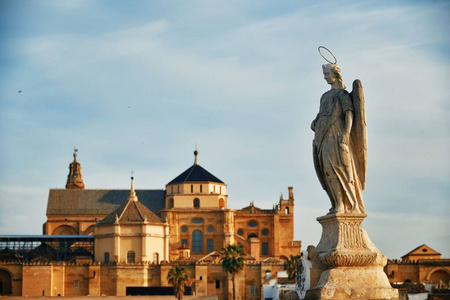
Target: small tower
column 75, row 179
column 286, row 206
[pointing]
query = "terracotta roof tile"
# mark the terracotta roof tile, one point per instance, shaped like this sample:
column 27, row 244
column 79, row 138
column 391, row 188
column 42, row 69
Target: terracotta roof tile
column 99, row 202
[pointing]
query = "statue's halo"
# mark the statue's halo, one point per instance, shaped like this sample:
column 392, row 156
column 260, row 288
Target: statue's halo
column 322, row 47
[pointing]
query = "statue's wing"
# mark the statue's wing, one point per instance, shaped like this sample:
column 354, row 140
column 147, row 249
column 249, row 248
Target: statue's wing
column 359, row 132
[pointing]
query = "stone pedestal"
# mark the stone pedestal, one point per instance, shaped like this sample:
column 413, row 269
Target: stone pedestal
column 353, row 266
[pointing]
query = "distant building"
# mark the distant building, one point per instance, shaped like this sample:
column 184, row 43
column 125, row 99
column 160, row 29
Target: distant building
column 140, row 234
column 421, row 270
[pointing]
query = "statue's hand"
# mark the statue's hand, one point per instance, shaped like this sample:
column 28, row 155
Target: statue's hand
column 344, row 138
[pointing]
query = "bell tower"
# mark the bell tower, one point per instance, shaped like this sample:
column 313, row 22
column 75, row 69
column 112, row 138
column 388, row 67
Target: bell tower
column 75, row 179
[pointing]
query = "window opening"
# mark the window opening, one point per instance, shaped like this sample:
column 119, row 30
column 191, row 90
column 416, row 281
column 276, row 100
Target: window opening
column 210, row 245
column 265, row 249
column 196, row 203
column 131, row 257
column 197, row 241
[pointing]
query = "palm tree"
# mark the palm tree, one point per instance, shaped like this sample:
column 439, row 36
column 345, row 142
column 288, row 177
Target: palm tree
column 291, row 265
column 233, row 261
column 179, row 278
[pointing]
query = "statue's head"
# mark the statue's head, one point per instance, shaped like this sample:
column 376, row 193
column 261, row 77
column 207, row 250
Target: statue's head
column 332, row 74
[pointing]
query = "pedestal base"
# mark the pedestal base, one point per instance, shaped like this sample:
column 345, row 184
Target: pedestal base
column 353, row 283
column 352, row 265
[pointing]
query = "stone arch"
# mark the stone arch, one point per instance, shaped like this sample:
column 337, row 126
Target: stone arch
column 437, row 274
column 64, row 230
column 221, row 203
column 6, row 279
column 89, row 230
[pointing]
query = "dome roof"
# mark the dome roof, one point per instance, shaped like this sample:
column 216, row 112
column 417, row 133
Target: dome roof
column 195, row 173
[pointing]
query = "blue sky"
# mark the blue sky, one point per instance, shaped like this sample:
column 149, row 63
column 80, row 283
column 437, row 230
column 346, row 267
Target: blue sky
column 136, row 85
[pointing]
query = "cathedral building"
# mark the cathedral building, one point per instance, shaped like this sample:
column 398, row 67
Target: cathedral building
column 194, row 207
column 138, row 235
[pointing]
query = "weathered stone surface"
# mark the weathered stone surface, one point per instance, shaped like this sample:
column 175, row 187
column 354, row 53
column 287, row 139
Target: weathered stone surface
column 351, row 266
column 343, row 241
column 353, row 283
column 340, row 143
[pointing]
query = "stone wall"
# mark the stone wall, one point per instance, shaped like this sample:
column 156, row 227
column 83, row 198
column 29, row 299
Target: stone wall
column 95, row 279
column 423, row 271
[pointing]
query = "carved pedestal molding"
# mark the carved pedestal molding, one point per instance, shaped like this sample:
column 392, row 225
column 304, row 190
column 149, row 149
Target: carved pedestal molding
column 353, row 266
column 342, row 243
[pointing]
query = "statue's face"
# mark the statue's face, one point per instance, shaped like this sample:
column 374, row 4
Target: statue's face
column 329, row 76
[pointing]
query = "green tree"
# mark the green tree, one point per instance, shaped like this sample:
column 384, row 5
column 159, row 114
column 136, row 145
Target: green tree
column 178, row 277
column 291, row 266
column 233, row 261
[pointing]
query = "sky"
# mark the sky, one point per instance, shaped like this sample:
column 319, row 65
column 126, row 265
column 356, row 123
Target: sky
column 139, row 85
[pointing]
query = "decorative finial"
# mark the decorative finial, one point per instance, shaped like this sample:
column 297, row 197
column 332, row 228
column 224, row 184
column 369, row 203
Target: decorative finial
column 132, row 196
column 75, row 150
column 196, row 160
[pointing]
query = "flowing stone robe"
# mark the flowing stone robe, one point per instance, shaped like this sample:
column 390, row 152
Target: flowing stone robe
column 336, row 163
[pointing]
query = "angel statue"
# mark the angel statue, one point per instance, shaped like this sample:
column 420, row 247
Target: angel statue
column 340, row 142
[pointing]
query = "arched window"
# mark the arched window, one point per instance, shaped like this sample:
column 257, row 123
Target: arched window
column 183, row 229
column 265, row 232
column 170, row 203
column 197, row 241
column 156, row 257
column 252, row 235
column 286, row 210
column 131, row 257
column 221, row 203
column 196, row 203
